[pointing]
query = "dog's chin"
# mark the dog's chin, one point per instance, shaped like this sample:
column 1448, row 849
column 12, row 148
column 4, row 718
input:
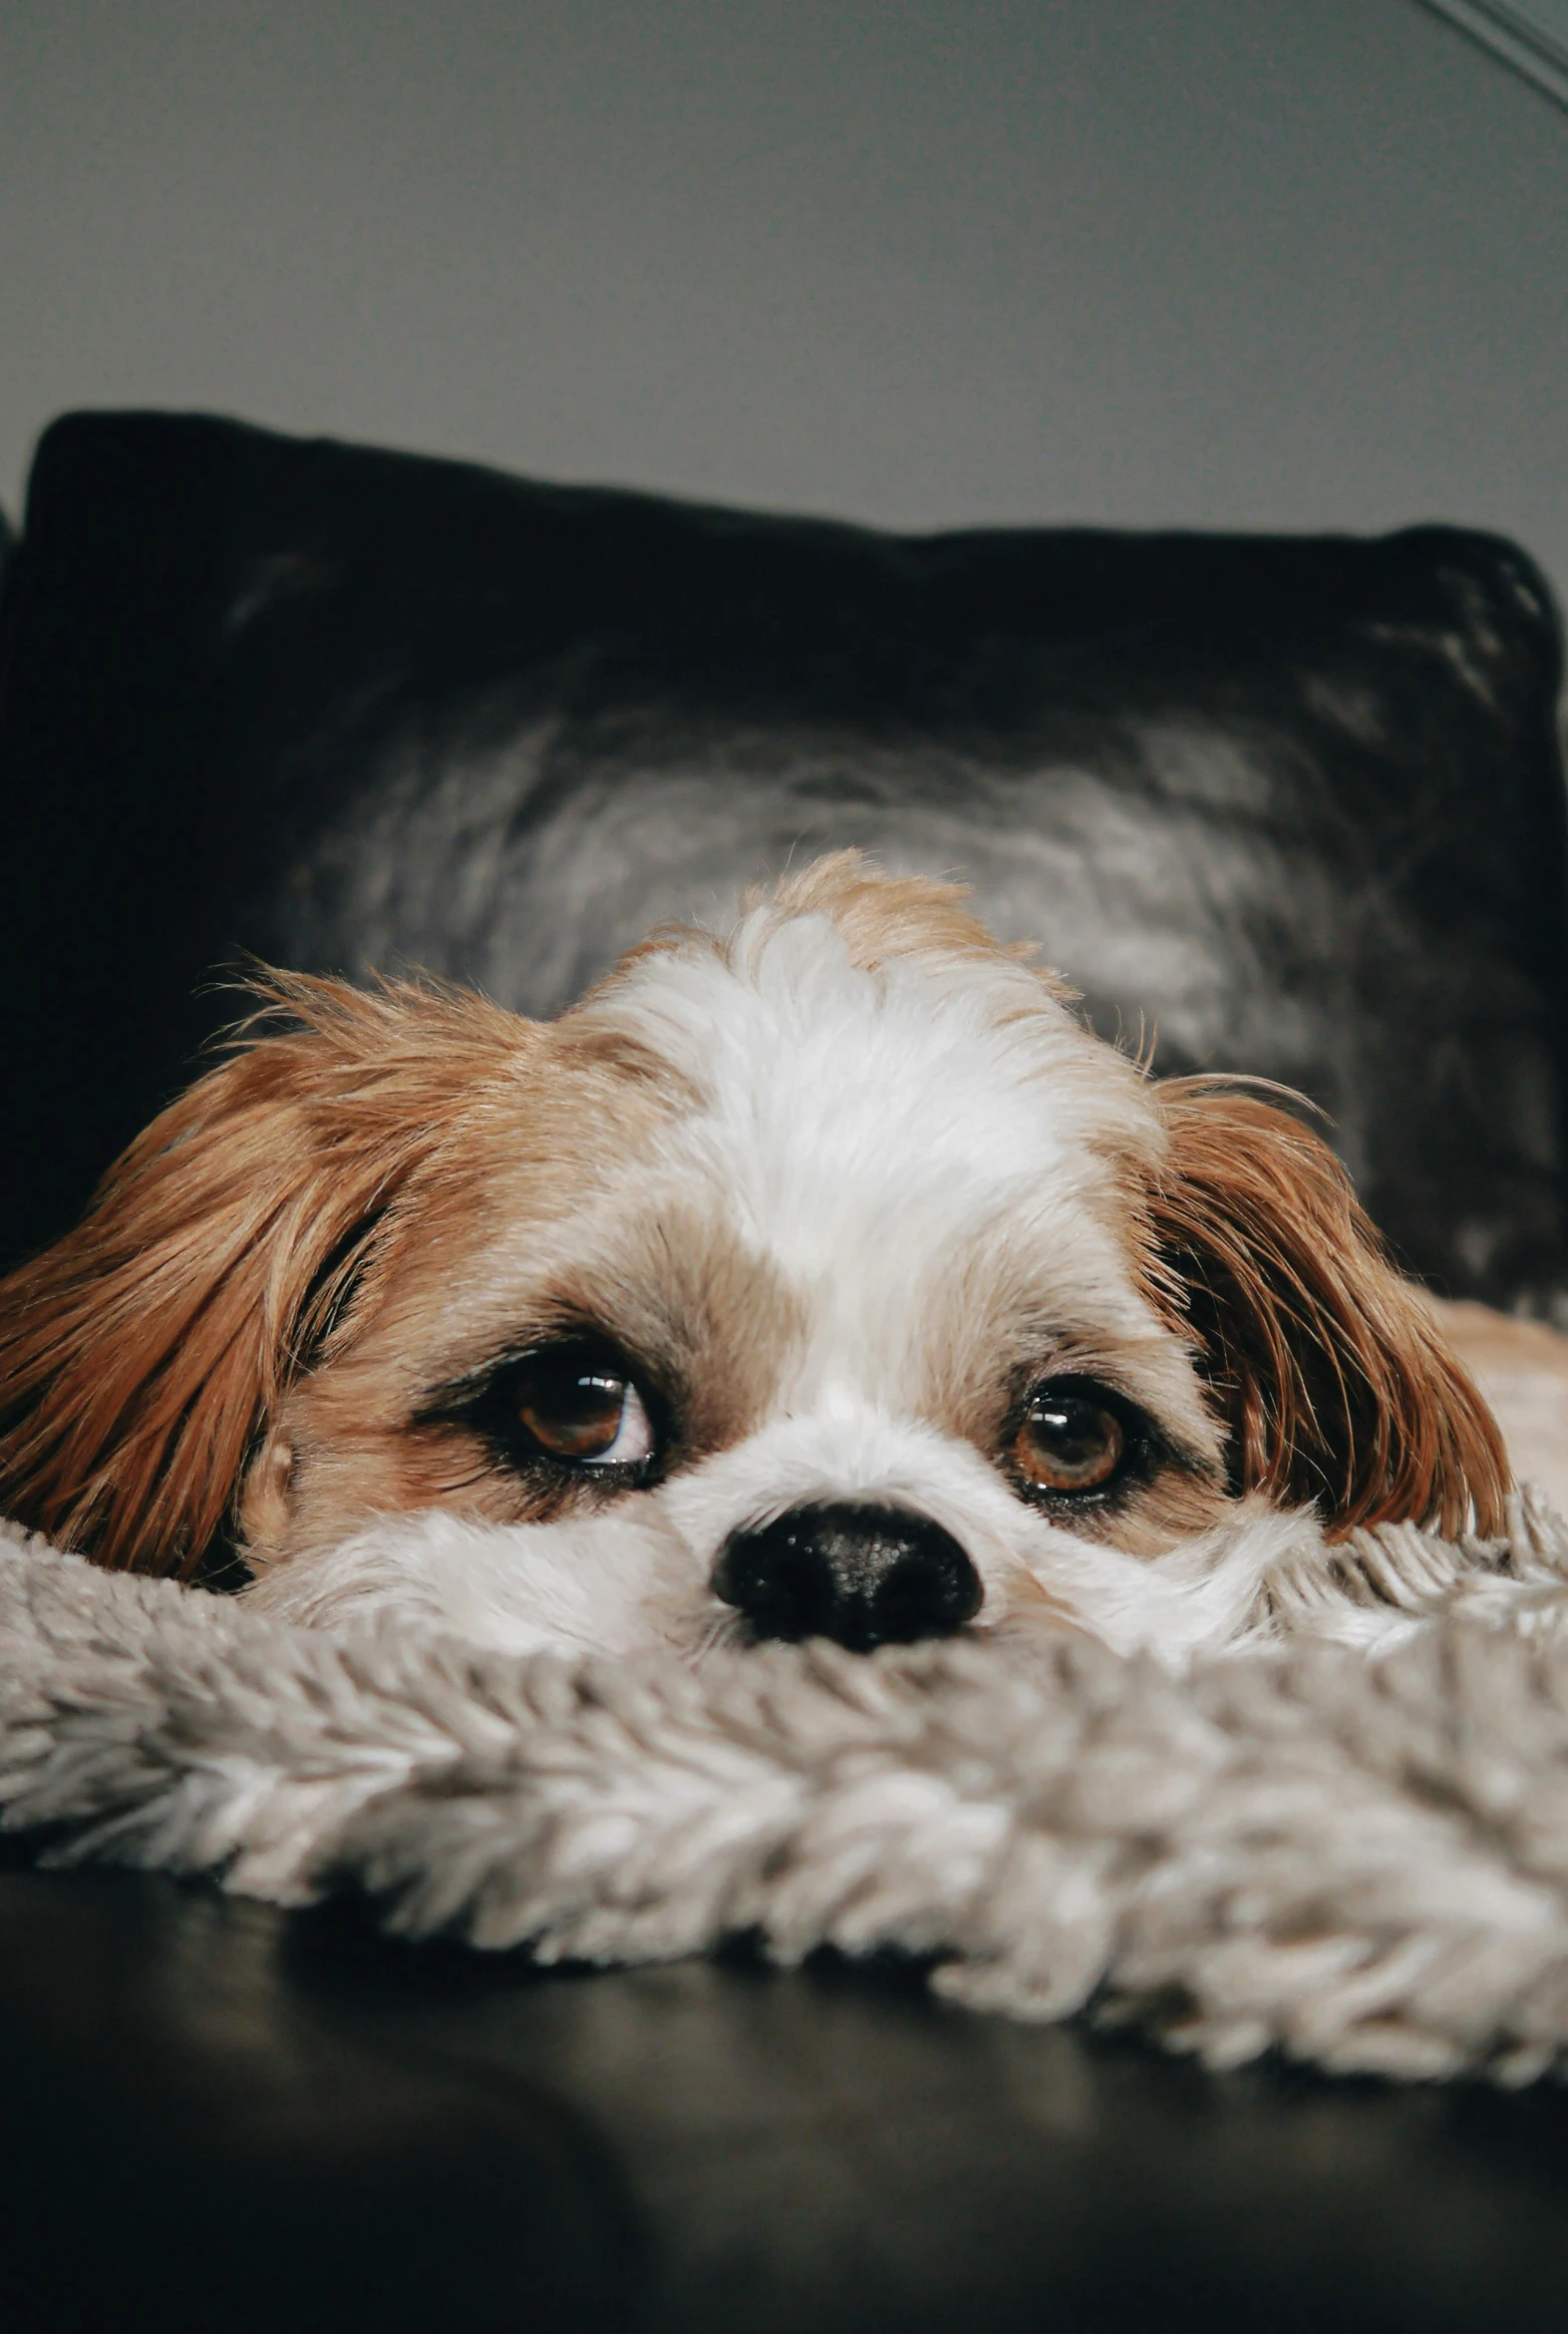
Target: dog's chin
column 626, row 1583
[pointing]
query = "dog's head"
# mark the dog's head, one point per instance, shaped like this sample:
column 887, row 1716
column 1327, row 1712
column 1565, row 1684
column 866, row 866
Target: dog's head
column 827, row 1280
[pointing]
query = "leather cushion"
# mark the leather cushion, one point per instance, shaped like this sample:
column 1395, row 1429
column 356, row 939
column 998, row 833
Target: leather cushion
column 1294, row 805
column 223, row 2116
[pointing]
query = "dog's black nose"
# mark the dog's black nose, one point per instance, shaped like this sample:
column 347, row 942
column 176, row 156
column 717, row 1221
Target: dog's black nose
column 861, row 1575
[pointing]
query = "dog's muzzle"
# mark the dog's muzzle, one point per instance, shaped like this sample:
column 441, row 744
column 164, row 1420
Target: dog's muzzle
column 863, row 1576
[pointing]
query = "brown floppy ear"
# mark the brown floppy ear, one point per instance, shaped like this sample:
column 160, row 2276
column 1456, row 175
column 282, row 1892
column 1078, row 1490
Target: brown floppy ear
column 141, row 1356
column 1330, row 1375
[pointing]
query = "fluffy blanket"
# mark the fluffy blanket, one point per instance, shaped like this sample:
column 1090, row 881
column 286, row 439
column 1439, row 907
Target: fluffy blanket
column 1363, row 1863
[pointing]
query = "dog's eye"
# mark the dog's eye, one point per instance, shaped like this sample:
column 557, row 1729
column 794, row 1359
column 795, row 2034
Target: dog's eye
column 1069, row 1439
column 580, row 1407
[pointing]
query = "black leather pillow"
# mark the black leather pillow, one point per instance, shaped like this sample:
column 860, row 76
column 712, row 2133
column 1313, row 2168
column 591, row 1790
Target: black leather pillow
column 1294, row 804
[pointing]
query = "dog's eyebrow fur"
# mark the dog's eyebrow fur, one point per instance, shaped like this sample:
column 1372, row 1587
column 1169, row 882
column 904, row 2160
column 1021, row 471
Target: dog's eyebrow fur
column 670, row 1286
column 1001, row 1313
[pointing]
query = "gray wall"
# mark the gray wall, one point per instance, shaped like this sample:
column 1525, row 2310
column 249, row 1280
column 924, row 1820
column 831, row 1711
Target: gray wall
column 1266, row 263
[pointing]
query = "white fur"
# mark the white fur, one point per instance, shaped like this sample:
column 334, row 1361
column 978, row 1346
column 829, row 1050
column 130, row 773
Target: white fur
column 856, row 1125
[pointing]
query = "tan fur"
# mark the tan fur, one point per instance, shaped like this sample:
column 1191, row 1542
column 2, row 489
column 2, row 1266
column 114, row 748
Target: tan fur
column 880, row 917
column 1332, row 1377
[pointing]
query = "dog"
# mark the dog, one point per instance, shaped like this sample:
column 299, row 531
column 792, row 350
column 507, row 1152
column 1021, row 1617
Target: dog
column 829, row 1278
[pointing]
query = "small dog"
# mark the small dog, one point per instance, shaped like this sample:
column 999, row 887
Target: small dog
column 827, row 1280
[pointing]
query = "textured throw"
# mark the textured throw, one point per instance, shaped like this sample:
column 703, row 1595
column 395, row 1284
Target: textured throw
column 1363, row 1863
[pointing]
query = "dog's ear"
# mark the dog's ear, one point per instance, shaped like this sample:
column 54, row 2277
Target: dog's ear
column 141, row 1357
column 1329, row 1373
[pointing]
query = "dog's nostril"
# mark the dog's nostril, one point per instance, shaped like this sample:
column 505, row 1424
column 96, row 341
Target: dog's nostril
column 862, row 1574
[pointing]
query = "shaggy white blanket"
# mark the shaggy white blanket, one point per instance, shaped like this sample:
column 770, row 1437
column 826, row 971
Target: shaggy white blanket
column 1360, row 1862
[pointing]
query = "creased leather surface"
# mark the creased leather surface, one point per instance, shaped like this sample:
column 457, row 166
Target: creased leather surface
column 1291, row 806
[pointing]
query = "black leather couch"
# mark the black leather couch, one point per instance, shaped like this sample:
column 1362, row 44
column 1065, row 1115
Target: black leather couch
column 1296, row 805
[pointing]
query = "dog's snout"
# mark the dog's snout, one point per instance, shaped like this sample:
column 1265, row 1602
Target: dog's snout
column 865, row 1575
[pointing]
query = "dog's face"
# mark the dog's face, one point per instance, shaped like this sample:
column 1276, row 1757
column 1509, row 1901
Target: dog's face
column 832, row 1279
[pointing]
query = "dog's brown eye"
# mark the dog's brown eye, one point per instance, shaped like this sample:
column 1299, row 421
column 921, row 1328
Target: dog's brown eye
column 581, row 1409
column 1069, row 1439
